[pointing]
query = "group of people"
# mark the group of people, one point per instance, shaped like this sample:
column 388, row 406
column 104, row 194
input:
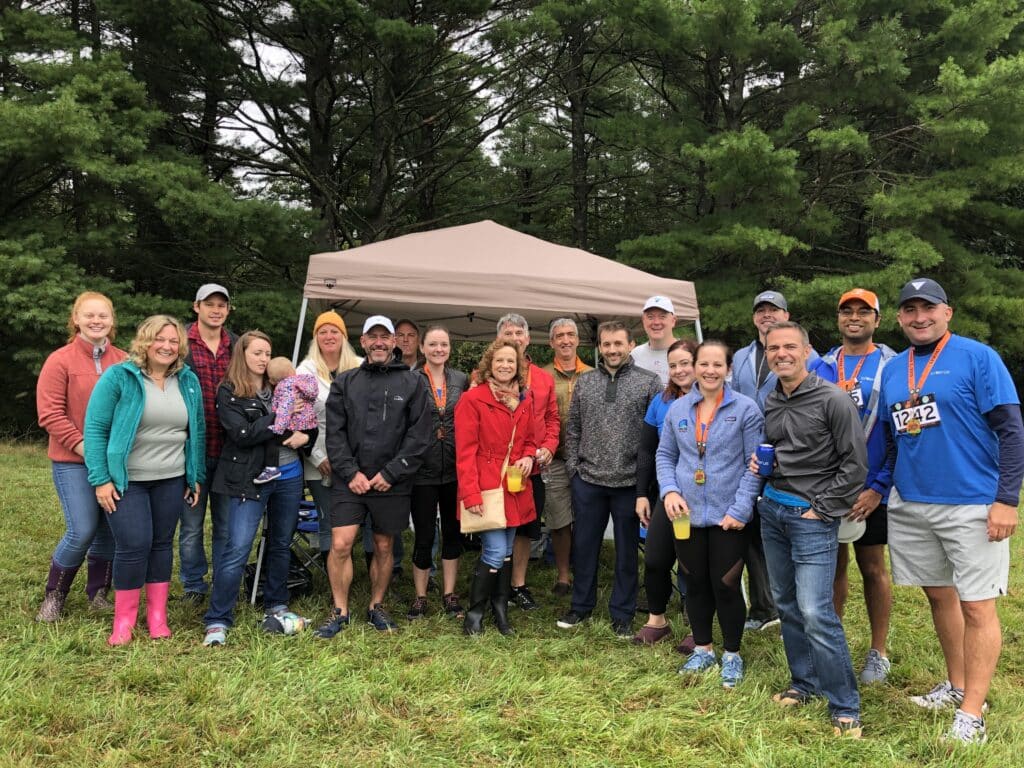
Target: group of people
column 664, row 437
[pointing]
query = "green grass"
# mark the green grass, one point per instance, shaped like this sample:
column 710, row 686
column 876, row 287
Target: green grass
column 429, row 696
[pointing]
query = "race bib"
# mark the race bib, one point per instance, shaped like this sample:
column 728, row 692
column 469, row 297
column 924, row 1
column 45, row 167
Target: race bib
column 852, row 388
column 910, row 419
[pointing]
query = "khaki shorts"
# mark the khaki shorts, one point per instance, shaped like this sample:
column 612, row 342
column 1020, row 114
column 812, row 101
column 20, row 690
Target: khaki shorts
column 946, row 545
column 557, row 500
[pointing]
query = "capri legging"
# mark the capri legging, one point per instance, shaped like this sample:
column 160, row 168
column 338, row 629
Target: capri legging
column 712, row 559
column 426, row 500
column 659, row 557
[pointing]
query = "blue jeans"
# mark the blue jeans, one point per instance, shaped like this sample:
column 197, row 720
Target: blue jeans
column 496, row 546
column 592, row 505
column 801, row 556
column 86, row 530
column 191, row 551
column 143, row 524
column 280, row 500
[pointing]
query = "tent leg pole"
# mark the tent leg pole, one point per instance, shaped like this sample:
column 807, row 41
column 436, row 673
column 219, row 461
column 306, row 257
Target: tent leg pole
column 700, row 333
column 298, row 331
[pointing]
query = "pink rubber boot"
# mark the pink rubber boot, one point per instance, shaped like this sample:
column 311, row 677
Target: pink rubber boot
column 156, row 609
column 126, row 610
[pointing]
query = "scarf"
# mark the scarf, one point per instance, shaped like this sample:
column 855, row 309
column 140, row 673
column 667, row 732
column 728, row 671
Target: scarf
column 506, row 394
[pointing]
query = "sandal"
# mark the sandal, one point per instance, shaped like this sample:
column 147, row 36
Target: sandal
column 791, row 697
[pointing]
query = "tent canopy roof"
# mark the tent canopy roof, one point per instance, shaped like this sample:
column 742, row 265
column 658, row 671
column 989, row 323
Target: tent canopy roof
column 466, row 277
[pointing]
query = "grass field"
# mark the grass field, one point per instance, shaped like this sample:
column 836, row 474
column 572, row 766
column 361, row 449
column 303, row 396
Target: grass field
column 429, row 696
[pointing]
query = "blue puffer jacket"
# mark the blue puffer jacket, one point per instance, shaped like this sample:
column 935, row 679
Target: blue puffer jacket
column 730, row 489
column 112, row 418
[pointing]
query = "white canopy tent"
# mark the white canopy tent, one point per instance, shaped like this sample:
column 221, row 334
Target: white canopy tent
column 466, row 277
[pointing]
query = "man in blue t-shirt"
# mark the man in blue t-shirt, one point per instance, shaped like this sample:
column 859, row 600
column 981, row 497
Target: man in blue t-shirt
column 856, row 366
column 957, row 461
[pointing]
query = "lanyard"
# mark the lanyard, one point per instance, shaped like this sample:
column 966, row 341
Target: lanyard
column 440, row 393
column 701, row 433
column 842, row 368
column 915, row 389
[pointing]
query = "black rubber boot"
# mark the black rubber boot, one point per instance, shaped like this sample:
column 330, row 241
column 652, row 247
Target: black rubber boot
column 500, row 597
column 480, row 592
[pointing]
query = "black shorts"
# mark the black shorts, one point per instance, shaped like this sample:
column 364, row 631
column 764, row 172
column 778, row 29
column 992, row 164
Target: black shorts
column 877, row 530
column 387, row 514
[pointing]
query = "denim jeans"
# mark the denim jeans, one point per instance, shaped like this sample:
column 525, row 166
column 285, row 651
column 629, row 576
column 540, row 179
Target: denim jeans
column 280, row 501
column 496, row 545
column 86, row 530
column 592, row 505
column 143, row 524
column 801, row 556
column 191, row 551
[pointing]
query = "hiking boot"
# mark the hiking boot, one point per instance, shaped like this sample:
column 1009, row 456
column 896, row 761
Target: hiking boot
column 335, row 623
column 571, row 620
column 268, row 475
column 700, row 660
column 732, row 669
column 876, row 668
column 452, row 608
column 52, row 607
column 521, row 596
column 381, row 619
column 418, row 609
column 967, row 729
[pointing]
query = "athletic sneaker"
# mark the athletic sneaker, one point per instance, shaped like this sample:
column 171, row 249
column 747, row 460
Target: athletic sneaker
column 381, row 619
column 268, row 475
column 521, row 596
column 876, row 668
column 754, row 625
column 561, row 589
column 623, row 629
column 941, row 696
column 334, row 624
column 700, row 661
column 571, row 620
column 732, row 669
column 215, row 636
column 418, row 609
column 967, row 729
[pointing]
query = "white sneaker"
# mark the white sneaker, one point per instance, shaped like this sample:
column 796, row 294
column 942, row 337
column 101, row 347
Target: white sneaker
column 941, row 696
column 967, row 729
column 876, row 668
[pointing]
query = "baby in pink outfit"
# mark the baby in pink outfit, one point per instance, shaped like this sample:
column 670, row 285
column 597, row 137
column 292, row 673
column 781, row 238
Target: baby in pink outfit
column 294, row 407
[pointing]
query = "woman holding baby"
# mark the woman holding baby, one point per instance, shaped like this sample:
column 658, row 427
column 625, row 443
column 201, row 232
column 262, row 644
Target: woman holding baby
column 245, row 405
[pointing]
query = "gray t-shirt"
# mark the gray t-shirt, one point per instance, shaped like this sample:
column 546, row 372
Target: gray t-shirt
column 653, row 360
column 159, row 449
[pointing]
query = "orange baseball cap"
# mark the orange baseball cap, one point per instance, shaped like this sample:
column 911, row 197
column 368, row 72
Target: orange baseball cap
column 863, row 295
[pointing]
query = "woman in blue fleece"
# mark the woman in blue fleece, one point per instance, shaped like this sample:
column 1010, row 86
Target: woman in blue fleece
column 702, row 460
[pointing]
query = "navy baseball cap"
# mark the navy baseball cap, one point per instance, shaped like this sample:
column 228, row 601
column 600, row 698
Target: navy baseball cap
column 923, row 288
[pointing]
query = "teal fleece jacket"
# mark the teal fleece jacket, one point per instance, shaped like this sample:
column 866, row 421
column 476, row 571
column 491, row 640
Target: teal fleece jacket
column 112, row 418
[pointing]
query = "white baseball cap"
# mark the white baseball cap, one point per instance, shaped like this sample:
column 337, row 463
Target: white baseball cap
column 207, row 290
column 851, row 530
column 660, row 302
column 375, row 320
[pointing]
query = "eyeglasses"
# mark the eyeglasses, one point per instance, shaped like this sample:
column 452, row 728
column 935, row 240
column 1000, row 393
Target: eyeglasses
column 858, row 312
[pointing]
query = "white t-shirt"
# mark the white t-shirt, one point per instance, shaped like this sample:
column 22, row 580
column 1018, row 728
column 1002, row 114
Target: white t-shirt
column 653, row 360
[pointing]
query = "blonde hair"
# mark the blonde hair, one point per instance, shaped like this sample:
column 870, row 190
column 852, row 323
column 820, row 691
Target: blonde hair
column 279, row 368
column 74, row 330
column 483, row 370
column 146, row 335
column 346, row 362
column 237, row 376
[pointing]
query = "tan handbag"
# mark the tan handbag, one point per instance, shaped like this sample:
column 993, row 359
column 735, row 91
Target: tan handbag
column 493, row 500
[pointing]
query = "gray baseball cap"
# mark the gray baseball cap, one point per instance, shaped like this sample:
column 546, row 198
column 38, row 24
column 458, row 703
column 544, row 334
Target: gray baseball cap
column 206, row 291
column 923, row 288
column 774, row 298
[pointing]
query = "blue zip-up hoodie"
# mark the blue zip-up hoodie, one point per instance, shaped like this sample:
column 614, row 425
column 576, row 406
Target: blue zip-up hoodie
column 743, row 376
column 731, row 489
column 112, row 419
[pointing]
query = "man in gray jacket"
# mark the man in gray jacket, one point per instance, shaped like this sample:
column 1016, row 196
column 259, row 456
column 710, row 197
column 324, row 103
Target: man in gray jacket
column 602, row 439
column 820, row 468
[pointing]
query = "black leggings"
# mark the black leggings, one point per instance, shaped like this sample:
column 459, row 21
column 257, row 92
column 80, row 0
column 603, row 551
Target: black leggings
column 426, row 500
column 659, row 557
column 712, row 560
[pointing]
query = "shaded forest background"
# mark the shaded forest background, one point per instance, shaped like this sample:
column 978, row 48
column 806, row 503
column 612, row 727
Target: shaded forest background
column 148, row 146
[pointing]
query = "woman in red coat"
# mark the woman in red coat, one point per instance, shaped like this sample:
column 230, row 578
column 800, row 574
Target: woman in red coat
column 487, row 419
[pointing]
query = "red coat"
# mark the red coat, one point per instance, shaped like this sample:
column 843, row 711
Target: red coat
column 546, row 424
column 483, row 427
